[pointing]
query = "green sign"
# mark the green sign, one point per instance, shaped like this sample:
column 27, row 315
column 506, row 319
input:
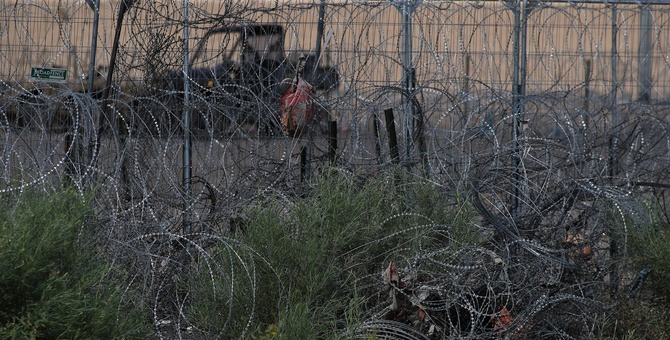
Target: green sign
column 48, row 74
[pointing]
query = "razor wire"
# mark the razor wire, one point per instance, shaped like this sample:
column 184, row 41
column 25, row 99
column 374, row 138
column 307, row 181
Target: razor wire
column 583, row 130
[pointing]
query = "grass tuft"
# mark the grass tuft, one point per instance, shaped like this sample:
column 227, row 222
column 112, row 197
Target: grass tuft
column 53, row 282
column 325, row 254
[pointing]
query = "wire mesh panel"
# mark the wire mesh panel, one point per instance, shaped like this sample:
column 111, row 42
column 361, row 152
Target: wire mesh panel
column 560, row 107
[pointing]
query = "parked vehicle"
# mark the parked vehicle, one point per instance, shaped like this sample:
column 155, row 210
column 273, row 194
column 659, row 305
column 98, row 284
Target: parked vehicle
column 234, row 87
column 243, row 87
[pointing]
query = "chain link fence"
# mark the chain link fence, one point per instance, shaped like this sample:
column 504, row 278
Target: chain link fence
column 545, row 112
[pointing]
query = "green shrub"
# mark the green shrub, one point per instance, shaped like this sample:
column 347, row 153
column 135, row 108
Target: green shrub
column 649, row 247
column 633, row 318
column 53, row 283
column 315, row 256
column 643, row 313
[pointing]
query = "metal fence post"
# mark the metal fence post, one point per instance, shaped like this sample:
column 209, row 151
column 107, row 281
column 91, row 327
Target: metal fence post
column 186, row 151
column 644, row 55
column 393, row 141
column 406, row 9
column 615, row 88
column 521, row 13
column 613, row 136
column 94, row 42
column 587, row 94
column 95, row 6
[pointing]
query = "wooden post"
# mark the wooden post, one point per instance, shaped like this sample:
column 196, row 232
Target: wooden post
column 393, row 138
column 70, row 153
column 332, row 141
column 303, row 164
column 378, row 142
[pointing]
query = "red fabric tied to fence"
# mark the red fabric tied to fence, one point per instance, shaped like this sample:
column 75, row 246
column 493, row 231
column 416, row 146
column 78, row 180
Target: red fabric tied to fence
column 297, row 106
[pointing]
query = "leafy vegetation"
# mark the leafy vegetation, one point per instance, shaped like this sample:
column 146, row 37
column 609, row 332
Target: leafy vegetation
column 642, row 311
column 321, row 251
column 53, row 281
column 316, row 266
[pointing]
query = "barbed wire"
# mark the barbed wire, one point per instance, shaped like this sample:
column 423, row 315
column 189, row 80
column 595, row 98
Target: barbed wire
column 583, row 130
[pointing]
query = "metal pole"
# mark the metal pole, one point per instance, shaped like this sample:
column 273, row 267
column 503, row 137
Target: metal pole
column 612, row 170
column 319, row 36
column 393, row 141
column 332, row 141
column 644, row 55
column 615, row 88
column 516, row 88
column 518, row 119
column 378, row 142
column 587, row 92
column 95, row 6
column 614, row 55
column 407, row 9
column 527, row 8
column 94, row 43
column 186, row 151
